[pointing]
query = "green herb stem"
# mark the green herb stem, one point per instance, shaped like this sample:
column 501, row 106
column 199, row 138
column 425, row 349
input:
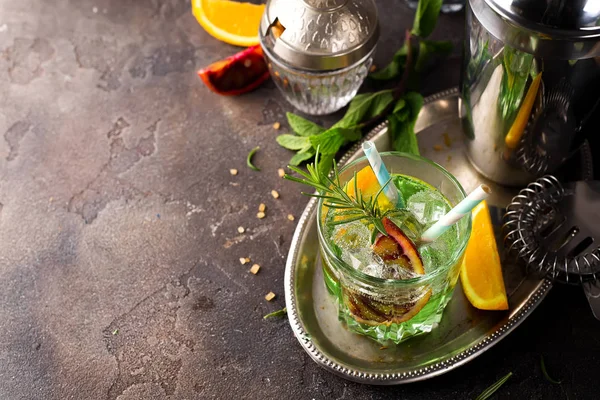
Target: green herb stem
column 487, row 393
column 398, row 91
column 249, row 159
column 545, row 372
column 278, row 313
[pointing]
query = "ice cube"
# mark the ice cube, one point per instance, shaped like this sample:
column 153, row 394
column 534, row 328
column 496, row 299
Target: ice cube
column 428, row 206
column 354, row 240
column 375, row 270
column 387, row 271
column 408, row 222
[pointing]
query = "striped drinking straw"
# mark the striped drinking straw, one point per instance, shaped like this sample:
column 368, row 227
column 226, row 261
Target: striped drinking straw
column 460, row 210
column 382, row 174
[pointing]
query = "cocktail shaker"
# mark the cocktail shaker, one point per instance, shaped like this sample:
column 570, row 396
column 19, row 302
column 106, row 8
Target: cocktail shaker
column 530, row 82
column 319, row 51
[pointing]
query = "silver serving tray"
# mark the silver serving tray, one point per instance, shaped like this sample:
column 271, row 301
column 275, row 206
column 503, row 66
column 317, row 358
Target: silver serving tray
column 464, row 332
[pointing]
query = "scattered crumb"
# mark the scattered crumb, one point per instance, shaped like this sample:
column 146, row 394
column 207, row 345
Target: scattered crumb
column 383, row 347
column 234, row 183
column 262, row 207
column 244, row 260
column 275, row 194
column 276, row 125
column 95, row 10
column 447, row 140
column 373, row 68
column 241, row 229
column 270, row 296
column 254, row 269
column 437, row 147
column 281, row 172
column 260, row 215
column 495, row 147
column 322, row 307
column 449, row 158
column 233, row 171
column 290, row 217
column 51, row 199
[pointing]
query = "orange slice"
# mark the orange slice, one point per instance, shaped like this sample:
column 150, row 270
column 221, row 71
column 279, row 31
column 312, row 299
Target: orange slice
column 481, row 272
column 368, row 185
column 229, row 21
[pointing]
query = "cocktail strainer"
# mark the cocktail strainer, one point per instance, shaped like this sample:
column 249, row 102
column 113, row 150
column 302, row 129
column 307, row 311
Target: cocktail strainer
column 554, row 229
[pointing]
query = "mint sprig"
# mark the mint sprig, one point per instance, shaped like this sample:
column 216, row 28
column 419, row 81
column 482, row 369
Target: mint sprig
column 426, row 17
column 425, row 21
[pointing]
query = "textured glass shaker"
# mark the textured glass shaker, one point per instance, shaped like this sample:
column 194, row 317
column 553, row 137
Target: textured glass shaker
column 319, row 51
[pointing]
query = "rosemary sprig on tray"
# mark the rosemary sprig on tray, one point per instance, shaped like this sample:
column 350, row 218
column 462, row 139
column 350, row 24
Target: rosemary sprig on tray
column 332, row 192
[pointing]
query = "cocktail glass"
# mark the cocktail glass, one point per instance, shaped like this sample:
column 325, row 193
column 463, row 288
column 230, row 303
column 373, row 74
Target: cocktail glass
column 384, row 303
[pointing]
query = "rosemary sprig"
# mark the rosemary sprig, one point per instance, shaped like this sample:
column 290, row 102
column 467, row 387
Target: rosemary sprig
column 487, row 393
column 334, row 196
column 278, row 313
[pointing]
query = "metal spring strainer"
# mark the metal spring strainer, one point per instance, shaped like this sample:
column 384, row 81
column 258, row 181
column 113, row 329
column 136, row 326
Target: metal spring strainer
column 554, row 229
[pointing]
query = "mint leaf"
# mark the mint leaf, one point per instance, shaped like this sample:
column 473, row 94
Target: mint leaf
column 403, row 114
column 400, row 104
column 428, row 48
column 350, row 134
column 330, row 141
column 303, row 155
column 394, row 68
column 426, row 17
column 292, row 142
column 325, row 163
column 401, row 124
column 302, row 126
column 402, row 135
column 365, row 106
column 415, row 103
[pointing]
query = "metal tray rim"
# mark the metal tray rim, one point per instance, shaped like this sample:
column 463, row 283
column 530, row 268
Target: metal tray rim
column 435, row 369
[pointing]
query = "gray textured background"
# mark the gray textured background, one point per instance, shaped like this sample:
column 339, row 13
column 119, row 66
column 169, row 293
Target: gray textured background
column 118, row 213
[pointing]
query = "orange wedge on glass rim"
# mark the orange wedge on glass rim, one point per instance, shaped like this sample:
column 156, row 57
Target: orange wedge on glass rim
column 481, row 271
column 232, row 22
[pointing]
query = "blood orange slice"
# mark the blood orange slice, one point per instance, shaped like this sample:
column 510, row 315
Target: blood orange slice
column 238, row 74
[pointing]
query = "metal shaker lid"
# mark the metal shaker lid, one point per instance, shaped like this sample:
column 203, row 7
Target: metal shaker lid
column 319, row 35
column 553, row 29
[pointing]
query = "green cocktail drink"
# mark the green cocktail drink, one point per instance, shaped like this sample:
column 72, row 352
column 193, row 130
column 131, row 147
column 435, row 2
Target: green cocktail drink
column 390, row 286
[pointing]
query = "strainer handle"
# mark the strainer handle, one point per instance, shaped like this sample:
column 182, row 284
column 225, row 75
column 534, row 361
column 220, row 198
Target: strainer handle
column 592, row 292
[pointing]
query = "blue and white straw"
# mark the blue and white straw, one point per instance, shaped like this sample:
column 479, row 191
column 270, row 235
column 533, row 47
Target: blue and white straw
column 382, row 174
column 460, row 210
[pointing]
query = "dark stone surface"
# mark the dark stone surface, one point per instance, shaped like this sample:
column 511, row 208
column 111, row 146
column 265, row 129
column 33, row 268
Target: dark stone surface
column 118, row 223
